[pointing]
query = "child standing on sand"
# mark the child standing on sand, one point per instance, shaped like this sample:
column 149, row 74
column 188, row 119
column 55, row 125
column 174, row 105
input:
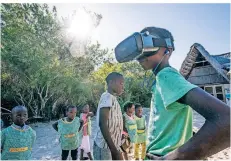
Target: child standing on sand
column 141, row 132
column 109, row 121
column 85, row 145
column 68, row 128
column 17, row 140
column 129, row 132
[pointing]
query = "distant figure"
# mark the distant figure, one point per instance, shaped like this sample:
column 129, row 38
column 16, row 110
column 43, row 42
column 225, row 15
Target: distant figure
column 17, row 140
column 129, row 130
column 109, row 121
column 85, row 145
column 141, row 133
column 68, row 128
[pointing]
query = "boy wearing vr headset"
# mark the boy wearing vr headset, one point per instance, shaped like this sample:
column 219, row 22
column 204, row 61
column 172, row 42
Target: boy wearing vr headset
column 170, row 125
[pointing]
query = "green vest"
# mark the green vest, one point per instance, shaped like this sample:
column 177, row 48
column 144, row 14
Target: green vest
column 69, row 135
column 17, row 143
column 141, row 130
column 130, row 125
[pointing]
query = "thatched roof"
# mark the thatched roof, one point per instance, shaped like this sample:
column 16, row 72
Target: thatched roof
column 221, row 63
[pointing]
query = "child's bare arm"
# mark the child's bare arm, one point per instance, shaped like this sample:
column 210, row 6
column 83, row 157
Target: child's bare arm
column 33, row 137
column 103, row 117
column 55, row 125
column 90, row 114
column 214, row 136
column 124, row 128
column 81, row 124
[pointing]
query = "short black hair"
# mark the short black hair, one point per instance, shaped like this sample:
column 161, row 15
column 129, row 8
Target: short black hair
column 70, row 107
column 127, row 105
column 18, row 107
column 138, row 105
column 113, row 76
column 160, row 32
column 84, row 105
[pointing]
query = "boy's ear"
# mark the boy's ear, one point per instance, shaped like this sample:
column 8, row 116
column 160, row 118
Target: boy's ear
column 170, row 52
column 110, row 82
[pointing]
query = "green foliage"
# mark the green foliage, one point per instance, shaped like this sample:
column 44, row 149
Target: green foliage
column 134, row 75
column 39, row 71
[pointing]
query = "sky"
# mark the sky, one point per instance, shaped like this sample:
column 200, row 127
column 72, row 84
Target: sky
column 207, row 24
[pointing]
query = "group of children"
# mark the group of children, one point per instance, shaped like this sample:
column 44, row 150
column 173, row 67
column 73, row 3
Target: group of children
column 134, row 133
column 127, row 131
column 119, row 136
column 17, row 140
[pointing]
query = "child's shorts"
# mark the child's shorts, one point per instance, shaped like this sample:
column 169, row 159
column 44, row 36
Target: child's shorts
column 86, row 144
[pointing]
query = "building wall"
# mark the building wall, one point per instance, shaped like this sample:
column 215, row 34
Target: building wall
column 205, row 75
column 227, row 93
column 221, row 91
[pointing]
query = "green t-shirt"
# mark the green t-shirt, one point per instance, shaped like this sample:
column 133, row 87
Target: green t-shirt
column 170, row 123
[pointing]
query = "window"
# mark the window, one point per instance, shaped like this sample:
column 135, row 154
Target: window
column 220, row 97
column 219, row 92
column 209, row 90
column 216, row 91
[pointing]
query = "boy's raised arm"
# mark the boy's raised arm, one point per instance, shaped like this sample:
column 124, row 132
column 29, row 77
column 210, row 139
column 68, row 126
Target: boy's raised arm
column 214, row 135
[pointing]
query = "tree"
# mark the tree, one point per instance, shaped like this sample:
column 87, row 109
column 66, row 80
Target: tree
column 40, row 72
column 38, row 69
column 135, row 89
column 29, row 36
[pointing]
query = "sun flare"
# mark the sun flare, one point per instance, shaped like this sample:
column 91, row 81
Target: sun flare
column 81, row 24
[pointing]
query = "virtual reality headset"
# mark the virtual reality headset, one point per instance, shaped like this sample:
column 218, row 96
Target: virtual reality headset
column 138, row 45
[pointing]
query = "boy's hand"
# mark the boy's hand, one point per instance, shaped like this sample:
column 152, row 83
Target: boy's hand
column 116, row 155
column 90, row 114
column 124, row 136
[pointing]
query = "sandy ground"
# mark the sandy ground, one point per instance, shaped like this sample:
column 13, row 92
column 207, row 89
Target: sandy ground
column 47, row 145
